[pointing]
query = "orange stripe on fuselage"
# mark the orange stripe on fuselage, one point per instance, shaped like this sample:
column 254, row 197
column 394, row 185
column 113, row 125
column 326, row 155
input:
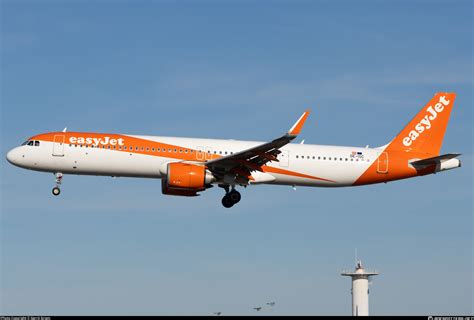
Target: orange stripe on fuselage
column 144, row 146
column 292, row 173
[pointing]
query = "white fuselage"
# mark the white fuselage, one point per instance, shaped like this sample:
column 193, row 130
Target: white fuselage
column 331, row 166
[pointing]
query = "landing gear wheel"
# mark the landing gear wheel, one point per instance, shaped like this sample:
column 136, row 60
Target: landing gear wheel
column 56, row 191
column 227, row 202
column 234, row 196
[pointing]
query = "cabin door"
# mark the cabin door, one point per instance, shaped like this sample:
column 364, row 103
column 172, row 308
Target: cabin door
column 382, row 163
column 58, row 145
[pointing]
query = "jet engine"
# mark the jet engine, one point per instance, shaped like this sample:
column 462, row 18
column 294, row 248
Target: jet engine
column 185, row 179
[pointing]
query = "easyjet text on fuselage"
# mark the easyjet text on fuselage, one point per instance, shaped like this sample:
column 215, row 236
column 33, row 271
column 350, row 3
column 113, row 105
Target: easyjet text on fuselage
column 97, row 141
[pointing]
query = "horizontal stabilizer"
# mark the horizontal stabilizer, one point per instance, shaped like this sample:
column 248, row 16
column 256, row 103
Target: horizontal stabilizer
column 435, row 160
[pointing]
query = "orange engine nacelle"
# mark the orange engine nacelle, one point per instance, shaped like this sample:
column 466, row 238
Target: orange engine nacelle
column 183, row 179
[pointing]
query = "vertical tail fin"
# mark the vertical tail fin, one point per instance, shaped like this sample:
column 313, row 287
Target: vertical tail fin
column 425, row 132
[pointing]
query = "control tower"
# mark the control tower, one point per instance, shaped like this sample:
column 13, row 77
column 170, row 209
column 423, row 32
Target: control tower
column 360, row 289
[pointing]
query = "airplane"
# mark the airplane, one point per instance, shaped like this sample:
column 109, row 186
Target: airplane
column 271, row 304
column 258, row 308
column 189, row 166
column 217, row 313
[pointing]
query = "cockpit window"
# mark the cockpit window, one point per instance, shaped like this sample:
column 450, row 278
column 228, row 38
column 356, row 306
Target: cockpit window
column 37, row 143
column 30, row 143
column 24, row 143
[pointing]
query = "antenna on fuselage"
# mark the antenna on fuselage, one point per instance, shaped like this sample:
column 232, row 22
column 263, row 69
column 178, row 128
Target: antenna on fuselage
column 65, row 129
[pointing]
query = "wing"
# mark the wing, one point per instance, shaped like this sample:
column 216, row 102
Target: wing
column 241, row 164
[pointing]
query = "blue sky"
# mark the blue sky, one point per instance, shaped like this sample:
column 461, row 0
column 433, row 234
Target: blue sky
column 242, row 70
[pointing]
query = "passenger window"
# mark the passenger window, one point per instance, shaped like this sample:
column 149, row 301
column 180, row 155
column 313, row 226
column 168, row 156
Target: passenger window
column 296, row 157
column 329, row 158
column 147, row 149
column 141, row 148
column 37, row 143
column 324, row 158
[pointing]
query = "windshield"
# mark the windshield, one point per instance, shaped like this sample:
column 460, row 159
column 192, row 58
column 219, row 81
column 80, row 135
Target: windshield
column 35, row 143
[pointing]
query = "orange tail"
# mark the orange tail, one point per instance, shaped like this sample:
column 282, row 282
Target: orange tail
column 425, row 132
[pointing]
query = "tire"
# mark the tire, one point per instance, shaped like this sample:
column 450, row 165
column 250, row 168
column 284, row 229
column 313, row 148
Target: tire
column 234, row 196
column 226, row 202
column 56, row 191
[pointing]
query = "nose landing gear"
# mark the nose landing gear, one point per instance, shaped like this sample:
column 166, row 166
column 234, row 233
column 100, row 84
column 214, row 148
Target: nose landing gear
column 59, row 176
column 231, row 197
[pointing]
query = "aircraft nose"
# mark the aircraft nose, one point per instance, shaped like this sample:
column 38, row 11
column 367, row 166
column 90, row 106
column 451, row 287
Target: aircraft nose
column 12, row 156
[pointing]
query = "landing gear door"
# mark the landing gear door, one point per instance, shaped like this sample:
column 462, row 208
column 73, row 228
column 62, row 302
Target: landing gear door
column 58, row 145
column 284, row 158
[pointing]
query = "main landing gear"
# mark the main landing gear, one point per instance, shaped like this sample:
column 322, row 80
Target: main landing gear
column 59, row 176
column 231, row 197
